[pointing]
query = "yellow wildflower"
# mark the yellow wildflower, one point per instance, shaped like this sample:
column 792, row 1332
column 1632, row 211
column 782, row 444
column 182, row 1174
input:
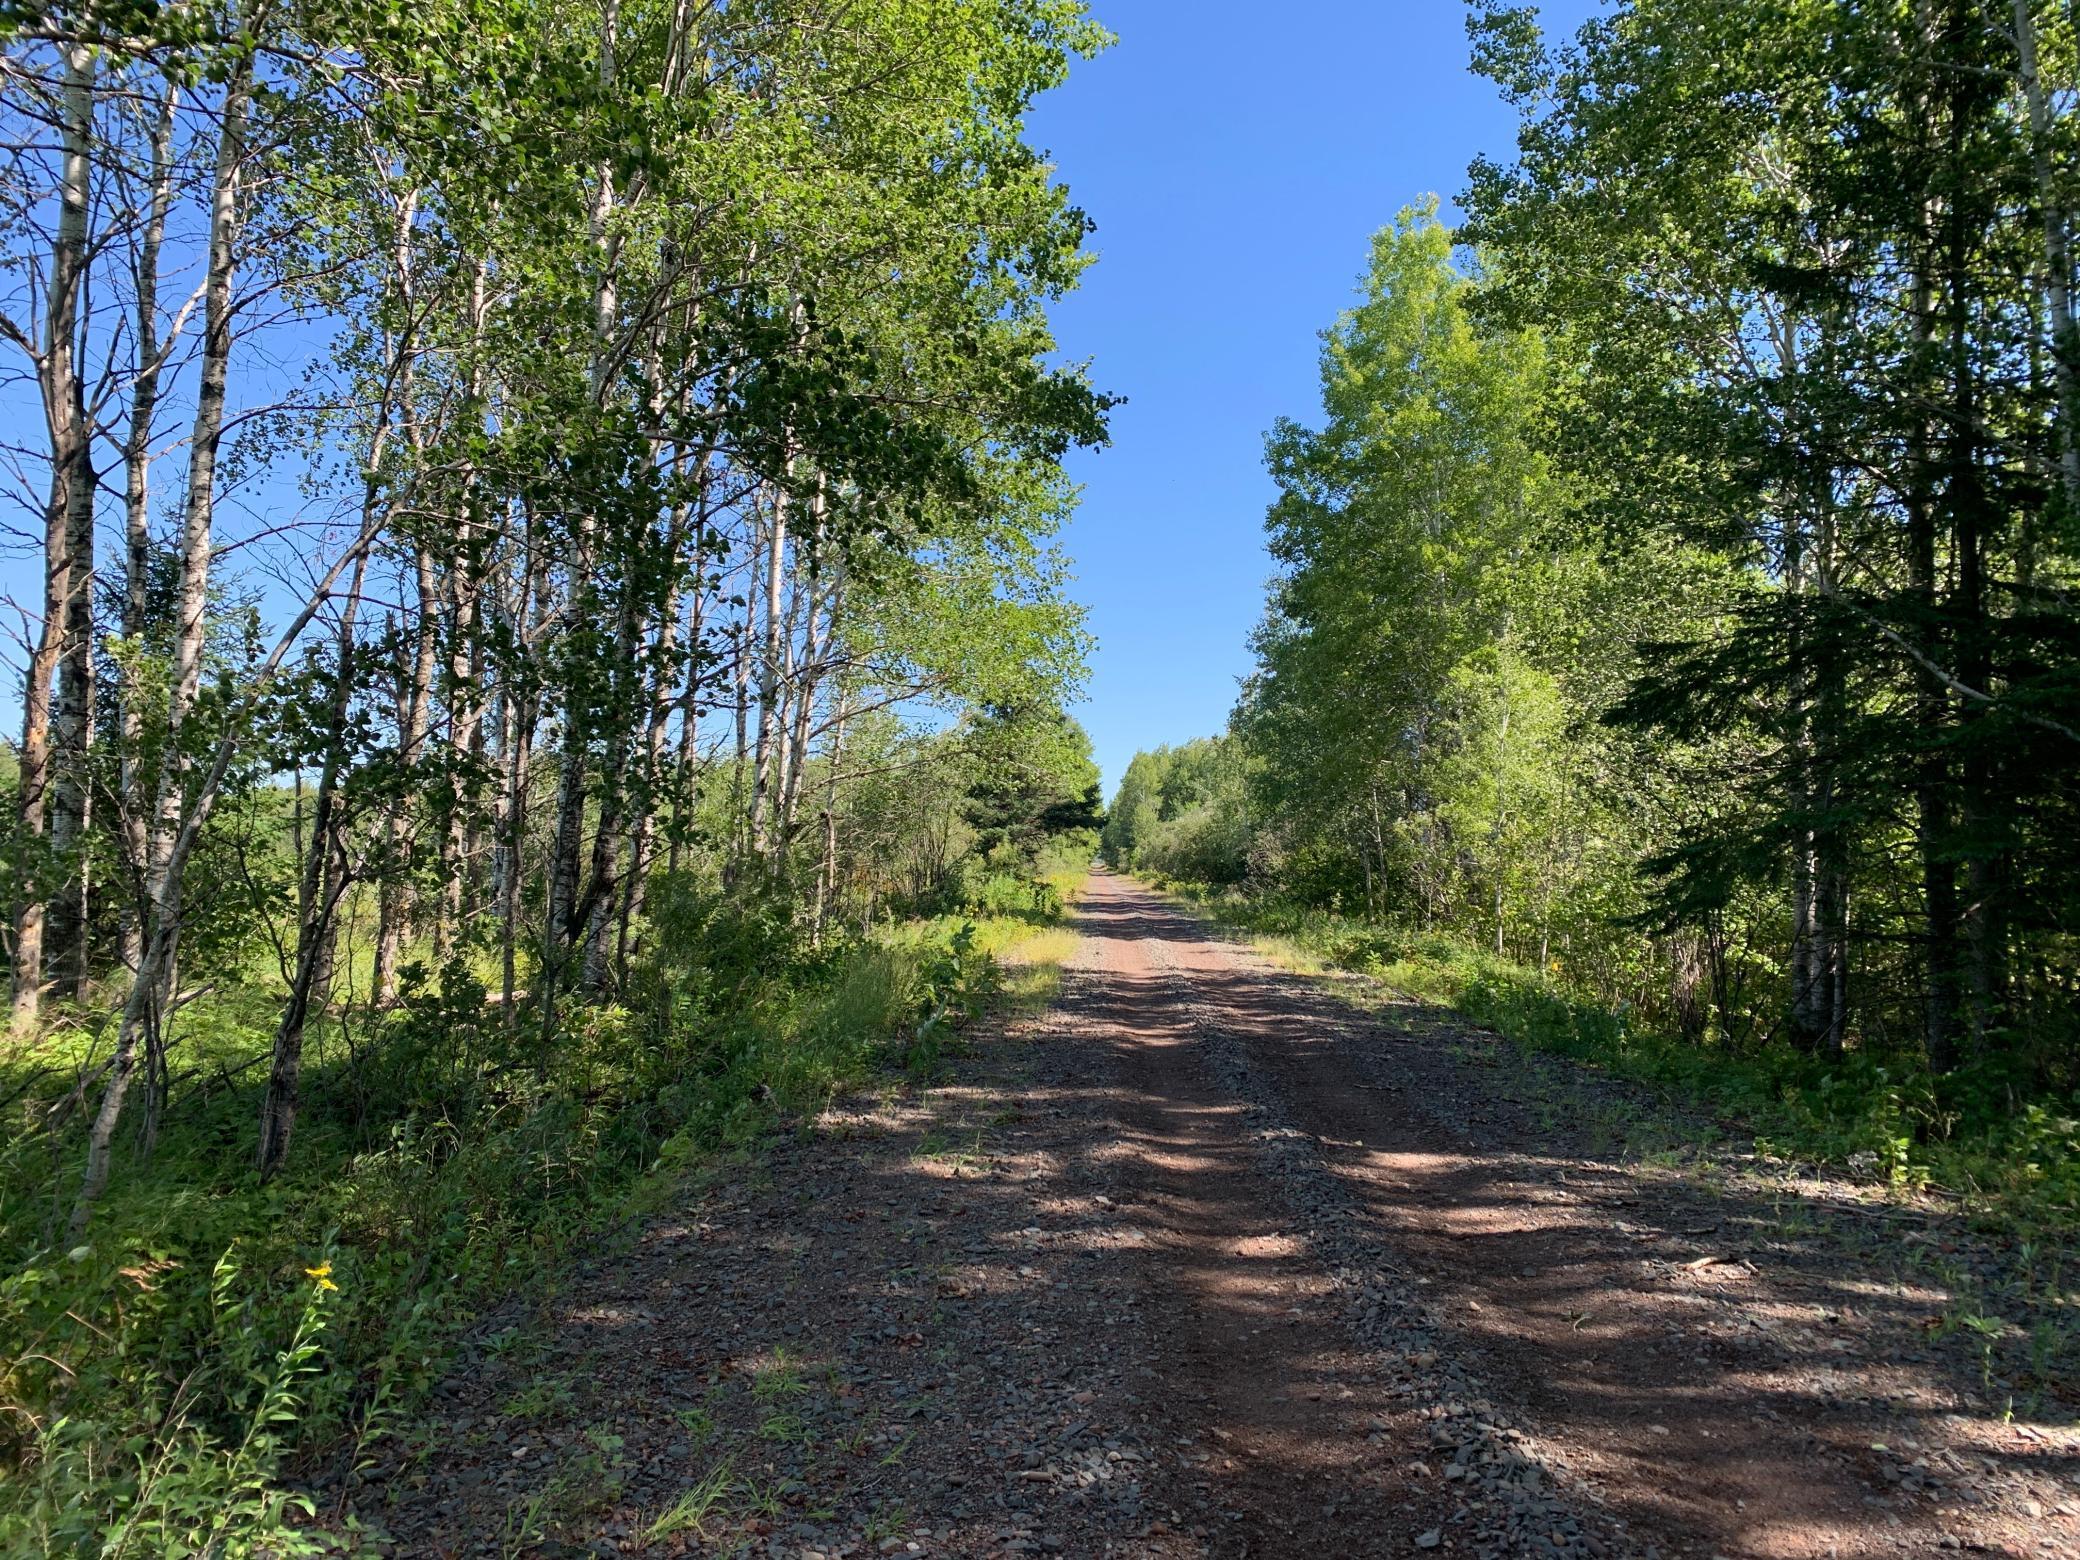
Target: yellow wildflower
column 323, row 1274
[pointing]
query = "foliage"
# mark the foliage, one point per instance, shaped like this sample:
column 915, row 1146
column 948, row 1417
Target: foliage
column 1865, row 410
column 1675, row 596
column 1420, row 735
column 1183, row 812
column 168, row 1380
column 548, row 567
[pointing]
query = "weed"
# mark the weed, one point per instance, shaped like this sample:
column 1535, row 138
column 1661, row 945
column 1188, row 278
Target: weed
column 1986, row 1330
column 691, row 1511
column 788, row 1429
column 527, row 1520
column 157, row 1379
column 779, row 1379
column 764, row 1500
column 541, row 1398
column 885, row 1522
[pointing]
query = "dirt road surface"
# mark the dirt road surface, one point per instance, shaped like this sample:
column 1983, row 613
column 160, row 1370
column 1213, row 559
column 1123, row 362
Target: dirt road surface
column 1211, row 1261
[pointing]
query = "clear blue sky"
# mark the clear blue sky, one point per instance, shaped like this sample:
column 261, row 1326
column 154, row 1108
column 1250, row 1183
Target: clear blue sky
column 1235, row 160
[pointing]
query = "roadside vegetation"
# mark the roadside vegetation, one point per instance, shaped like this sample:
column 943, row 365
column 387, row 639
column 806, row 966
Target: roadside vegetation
column 1671, row 659
column 546, row 658
column 218, row 1333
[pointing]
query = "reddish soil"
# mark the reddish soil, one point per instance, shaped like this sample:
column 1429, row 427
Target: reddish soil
column 1213, row 1260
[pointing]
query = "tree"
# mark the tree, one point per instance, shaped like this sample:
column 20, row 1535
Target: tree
column 693, row 386
column 1819, row 344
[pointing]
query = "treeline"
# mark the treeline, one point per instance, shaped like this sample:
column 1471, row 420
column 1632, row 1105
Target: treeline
column 1677, row 591
column 543, row 526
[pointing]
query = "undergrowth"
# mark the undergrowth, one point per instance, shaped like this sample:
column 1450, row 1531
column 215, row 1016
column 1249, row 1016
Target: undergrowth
column 167, row 1380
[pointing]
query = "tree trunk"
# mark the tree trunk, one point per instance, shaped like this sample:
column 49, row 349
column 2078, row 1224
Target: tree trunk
column 1830, row 964
column 72, row 730
column 593, row 915
column 523, row 713
column 518, row 745
column 466, row 567
column 740, row 693
column 559, row 923
column 762, row 766
column 325, row 879
column 1934, row 825
column 1808, row 987
column 684, row 769
column 67, row 571
column 655, row 746
column 1501, row 822
column 1983, row 819
column 175, row 822
column 137, row 536
column 827, row 867
column 2058, row 258
column 465, row 718
column 807, row 677
column 414, row 719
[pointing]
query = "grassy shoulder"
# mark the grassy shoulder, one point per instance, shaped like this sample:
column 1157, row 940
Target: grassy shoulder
column 1022, row 927
column 2017, row 1165
column 214, row 1335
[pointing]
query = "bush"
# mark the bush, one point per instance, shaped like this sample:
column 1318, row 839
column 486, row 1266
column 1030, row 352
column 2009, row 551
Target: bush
column 979, row 890
column 214, row 1335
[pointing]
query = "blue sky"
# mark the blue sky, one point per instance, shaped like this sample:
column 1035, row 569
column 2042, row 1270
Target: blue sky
column 1235, row 158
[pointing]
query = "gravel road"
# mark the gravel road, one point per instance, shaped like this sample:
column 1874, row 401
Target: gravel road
column 1214, row 1260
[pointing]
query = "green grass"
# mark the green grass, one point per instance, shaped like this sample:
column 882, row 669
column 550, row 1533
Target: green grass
column 1027, row 942
column 692, row 1510
column 779, row 1379
column 162, row 1383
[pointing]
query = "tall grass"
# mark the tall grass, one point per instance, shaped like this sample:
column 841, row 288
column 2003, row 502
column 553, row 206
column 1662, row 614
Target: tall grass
column 212, row 1335
column 1017, row 922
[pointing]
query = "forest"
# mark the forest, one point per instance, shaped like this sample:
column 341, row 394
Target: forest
column 548, row 649
column 1673, row 655
column 560, row 988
